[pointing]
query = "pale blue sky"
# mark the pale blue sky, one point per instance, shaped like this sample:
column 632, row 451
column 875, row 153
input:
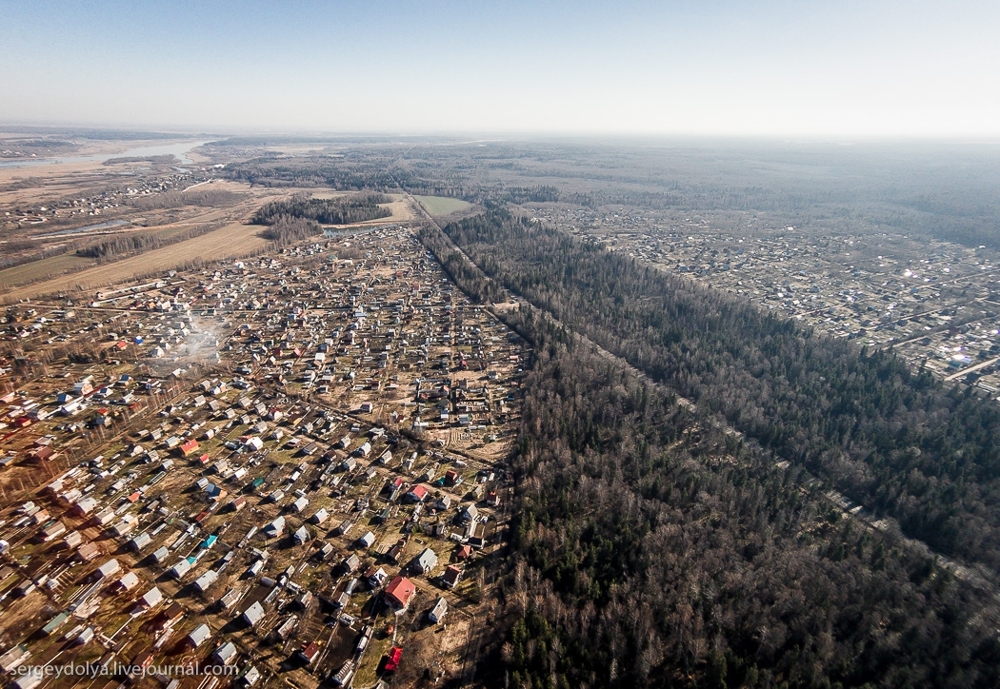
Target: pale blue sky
column 773, row 67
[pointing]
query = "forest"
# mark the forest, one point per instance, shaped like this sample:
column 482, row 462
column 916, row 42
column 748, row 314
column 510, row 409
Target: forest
column 337, row 211
column 651, row 548
column 892, row 439
column 286, row 230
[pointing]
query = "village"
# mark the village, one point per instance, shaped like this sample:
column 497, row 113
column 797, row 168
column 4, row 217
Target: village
column 292, row 466
column 936, row 303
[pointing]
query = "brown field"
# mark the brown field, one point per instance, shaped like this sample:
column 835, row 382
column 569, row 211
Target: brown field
column 230, row 241
column 30, row 272
column 67, row 272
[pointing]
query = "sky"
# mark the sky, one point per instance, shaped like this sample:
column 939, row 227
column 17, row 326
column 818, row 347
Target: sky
column 872, row 68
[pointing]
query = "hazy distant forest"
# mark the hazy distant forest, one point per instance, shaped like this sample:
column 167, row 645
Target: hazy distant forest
column 945, row 190
column 693, row 545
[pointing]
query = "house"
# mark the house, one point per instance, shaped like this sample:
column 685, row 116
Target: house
column 140, row 541
column 250, row 676
column 451, row 576
column 52, row 531
column 188, row 448
column 42, row 454
column 399, row 593
column 367, row 540
column 463, row 553
column 128, row 581
column 351, row 563
column 392, row 555
column 252, row 615
column 108, row 568
column 469, row 514
column 275, row 528
column 309, row 652
column 320, row 516
column 425, row 561
column 225, row 654
column 230, row 598
column 182, row 567
column 301, row 535
column 284, row 630
column 304, row 600
column 376, row 577
column 27, row 681
column 203, row 582
column 416, row 494
column 160, row 555
column 151, row 598
column 14, row 657
column 125, row 526
column 171, row 616
column 300, row 504
column 439, row 610
column 55, row 623
column 199, row 635
column 104, row 517
column 85, row 506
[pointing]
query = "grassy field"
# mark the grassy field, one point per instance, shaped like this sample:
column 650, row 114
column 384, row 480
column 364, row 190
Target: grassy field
column 47, row 267
column 439, row 206
column 230, row 241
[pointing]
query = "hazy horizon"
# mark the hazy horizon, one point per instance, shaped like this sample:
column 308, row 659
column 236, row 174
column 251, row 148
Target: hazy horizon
column 678, row 69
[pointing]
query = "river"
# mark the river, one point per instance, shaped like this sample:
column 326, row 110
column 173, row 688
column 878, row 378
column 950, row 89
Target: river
column 176, row 149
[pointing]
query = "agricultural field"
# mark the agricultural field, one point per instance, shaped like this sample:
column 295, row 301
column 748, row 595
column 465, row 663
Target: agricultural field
column 231, row 241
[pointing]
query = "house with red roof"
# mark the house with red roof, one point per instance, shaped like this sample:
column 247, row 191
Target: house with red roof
column 417, row 494
column 399, row 593
column 451, row 576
